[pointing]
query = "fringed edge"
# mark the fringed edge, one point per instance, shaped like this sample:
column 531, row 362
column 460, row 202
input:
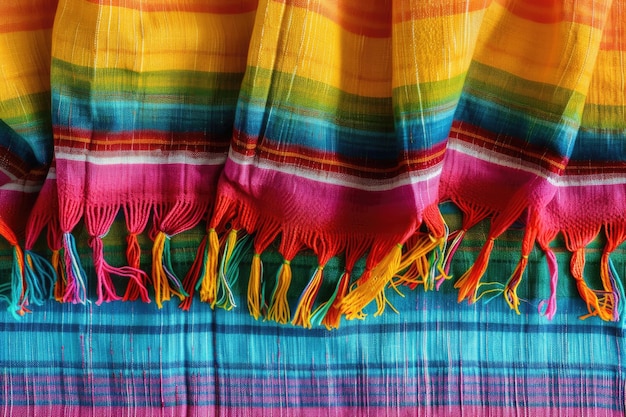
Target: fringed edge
column 600, row 303
column 17, row 287
column 136, row 215
column 528, row 243
column 469, row 283
column 44, row 280
column 169, row 220
column 264, row 236
column 548, row 307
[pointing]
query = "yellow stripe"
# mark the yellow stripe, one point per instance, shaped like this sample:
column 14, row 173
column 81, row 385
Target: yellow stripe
column 90, row 35
column 607, row 85
column 559, row 54
column 24, row 63
column 434, row 49
column 295, row 40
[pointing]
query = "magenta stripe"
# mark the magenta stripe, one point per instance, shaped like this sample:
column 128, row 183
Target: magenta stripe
column 167, row 182
column 597, row 392
column 224, row 411
column 324, row 206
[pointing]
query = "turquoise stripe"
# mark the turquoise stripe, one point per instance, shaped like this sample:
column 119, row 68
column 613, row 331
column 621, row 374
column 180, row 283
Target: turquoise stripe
column 298, row 127
column 600, row 145
column 556, row 136
column 215, row 117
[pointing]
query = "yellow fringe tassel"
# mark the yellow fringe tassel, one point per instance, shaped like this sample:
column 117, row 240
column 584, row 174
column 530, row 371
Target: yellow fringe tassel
column 208, row 286
column 354, row 303
column 254, row 287
column 231, row 241
column 159, row 277
column 303, row 314
column 415, row 268
column 279, row 308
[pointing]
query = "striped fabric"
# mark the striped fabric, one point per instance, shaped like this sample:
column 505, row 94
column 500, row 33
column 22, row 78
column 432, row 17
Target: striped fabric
column 309, row 162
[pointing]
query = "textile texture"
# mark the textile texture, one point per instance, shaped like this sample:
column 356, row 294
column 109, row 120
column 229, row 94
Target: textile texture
column 307, row 165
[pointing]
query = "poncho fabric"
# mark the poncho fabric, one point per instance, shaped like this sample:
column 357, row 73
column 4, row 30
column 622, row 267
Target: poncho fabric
column 332, row 127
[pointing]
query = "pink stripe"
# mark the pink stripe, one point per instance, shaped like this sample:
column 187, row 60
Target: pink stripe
column 320, row 206
column 118, row 184
column 589, row 206
column 492, row 185
column 599, row 392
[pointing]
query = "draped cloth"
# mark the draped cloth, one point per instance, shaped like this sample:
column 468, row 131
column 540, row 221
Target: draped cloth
column 337, row 128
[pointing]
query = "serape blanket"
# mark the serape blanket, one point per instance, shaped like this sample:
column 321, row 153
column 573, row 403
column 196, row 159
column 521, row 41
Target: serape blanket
column 311, row 159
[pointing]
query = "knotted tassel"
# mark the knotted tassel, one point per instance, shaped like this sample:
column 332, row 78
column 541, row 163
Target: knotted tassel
column 469, row 282
column 58, row 264
column 75, row 289
column 548, row 307
column 234, row 250
column 510, row 290
column 615, row 236
column 266, row 233
column 597, row 306
column 255, row 287
column 106, row 290
column 164, row 279
column 303, row 314
column 40, row 277
column 370, row 288
column 208, row 278
column 136, row 215
column 190, row 282
column 329, row 313
column 415, row 267
column 279, row 305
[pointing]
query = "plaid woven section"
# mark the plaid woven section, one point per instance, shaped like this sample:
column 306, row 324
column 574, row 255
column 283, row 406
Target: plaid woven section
column 435, row 358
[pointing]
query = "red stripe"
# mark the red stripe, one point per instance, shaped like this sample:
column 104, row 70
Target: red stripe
column 407, row 10
column 22, row 16
column 191, row 6
column 140, row 140
column 320, row 161
column 367, row 18
column 586, row 12
column 508, row 145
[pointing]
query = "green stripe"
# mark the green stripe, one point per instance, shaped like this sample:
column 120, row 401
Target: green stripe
column 109, row 83
column 309, row 97
column 430, row 96
column 502, row 87
column 604, row 117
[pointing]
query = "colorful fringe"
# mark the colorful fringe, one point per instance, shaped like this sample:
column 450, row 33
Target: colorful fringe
column 333, row 127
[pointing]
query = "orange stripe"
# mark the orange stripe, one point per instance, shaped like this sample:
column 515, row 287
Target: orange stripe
column 614, row 34
column 406, row 10
column 21, row 17
column 191, row 6
column 368, row 18
column 585, row 12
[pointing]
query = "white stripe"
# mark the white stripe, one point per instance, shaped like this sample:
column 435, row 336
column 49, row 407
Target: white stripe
column 342, row 179
column 142, row 158
column 516, row 163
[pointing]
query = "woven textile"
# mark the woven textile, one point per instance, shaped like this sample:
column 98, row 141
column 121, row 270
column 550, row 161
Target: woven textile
column 435, row 358
column 332, row 130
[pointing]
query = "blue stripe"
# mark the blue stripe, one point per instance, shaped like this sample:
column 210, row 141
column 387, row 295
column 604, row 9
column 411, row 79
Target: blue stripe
column 557, row 137
column 100, row 115
column 601, row 145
